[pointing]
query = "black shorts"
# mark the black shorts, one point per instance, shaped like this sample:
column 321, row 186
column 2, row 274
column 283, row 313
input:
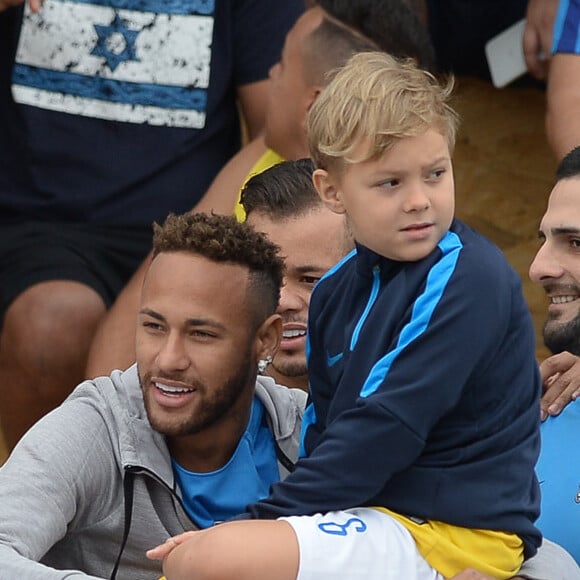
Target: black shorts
column 102, row 257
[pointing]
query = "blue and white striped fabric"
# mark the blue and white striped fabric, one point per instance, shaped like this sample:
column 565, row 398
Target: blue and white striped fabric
column 566, row 37
column 149, row 64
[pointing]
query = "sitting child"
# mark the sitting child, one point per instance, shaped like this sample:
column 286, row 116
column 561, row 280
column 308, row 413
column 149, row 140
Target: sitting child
column 424, row 386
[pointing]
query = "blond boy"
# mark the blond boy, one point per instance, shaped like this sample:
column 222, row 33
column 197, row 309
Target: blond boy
column 424, row 384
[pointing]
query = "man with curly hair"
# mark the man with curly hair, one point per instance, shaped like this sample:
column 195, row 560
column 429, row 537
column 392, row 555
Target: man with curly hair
column 181, row 440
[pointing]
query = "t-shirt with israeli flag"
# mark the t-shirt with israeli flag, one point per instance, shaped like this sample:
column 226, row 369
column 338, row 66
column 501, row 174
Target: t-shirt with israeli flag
column 120, row 111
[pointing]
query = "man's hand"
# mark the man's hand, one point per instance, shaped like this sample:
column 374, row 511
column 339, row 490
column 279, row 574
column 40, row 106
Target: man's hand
column 538, row 36
column 561, row 381
column 35, row 5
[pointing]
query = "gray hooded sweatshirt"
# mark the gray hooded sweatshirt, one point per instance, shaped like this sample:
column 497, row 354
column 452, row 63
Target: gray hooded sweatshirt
column 62, row 506
column 94, row 465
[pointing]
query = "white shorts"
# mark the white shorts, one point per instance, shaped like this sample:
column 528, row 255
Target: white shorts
column 358, row 543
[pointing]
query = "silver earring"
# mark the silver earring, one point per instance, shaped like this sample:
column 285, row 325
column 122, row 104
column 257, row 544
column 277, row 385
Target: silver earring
column 263, row 363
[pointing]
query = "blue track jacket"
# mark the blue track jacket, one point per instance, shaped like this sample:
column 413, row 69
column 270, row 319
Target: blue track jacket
column 424, row 392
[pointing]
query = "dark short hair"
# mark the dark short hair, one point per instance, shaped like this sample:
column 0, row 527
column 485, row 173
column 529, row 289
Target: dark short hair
column 224, row 239
column 282, row 191
column 391, row 25
column 329, row 47
column 569, row 166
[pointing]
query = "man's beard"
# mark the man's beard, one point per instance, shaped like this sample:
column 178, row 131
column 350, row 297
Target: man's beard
column 561, row 336
column 296, row 368
column 208, row 411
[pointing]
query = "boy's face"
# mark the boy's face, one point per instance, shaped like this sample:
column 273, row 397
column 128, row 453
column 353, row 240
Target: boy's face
column 399, row 205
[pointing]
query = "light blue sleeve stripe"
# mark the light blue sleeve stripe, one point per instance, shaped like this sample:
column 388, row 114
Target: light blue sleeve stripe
column 423, row 309
column 372, row 298
column 309, row 418
column 559, row 24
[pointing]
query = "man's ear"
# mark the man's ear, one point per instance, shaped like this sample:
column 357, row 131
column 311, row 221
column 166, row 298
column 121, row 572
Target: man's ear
column 328, row 189
column 313, row 93
column 309, row 99
column 268, row 337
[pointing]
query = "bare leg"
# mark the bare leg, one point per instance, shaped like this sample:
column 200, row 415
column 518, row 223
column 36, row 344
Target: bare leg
column 114, row 344
column 44, row 344
column 248, row 550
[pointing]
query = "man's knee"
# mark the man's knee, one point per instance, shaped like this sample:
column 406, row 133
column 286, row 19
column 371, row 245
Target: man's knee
column 50, row 323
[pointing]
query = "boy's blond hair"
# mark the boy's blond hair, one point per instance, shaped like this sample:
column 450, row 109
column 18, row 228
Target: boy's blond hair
column 378, row 99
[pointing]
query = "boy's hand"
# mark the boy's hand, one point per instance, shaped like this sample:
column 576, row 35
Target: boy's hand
column 162, row 551
column 561, row 381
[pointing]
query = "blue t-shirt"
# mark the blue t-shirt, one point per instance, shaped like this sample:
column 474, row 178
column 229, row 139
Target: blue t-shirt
column 559, row 475
column 117, row 112
column 213, row 497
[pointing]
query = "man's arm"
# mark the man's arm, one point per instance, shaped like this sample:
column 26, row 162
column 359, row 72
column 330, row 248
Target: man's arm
column 222, row 194
column 48, row 482
column 253, row 101
column 35, row 5
column 563, row 103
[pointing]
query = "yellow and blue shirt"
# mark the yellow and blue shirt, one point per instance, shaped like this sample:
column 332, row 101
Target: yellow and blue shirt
column 267, row 160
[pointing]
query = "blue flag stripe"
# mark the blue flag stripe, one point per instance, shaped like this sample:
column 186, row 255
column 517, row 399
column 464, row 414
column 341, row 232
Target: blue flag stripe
column 162, row 96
